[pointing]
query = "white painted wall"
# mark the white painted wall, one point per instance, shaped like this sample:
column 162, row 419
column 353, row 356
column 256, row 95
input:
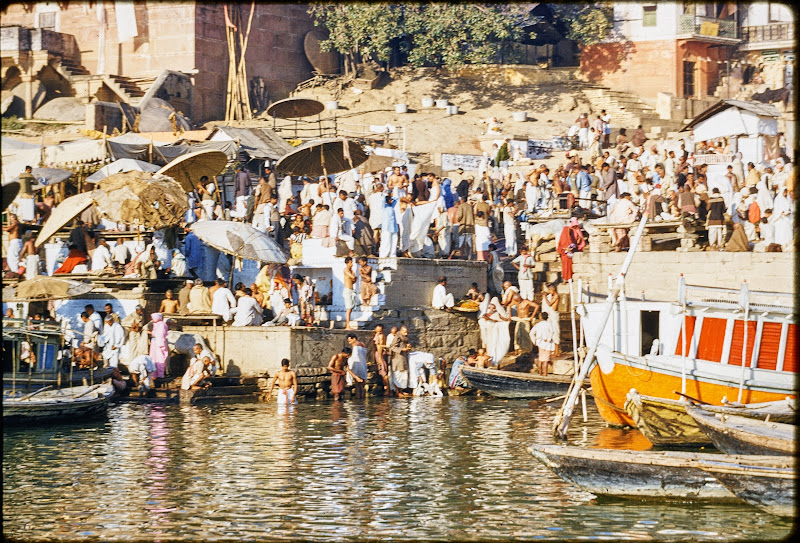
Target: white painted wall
column 628, row 20
column 758, row 13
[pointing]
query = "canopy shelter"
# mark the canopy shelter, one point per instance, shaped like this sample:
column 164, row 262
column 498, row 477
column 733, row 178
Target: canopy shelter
column 188, row 169
column 121, row 166
column 323, row 157
column 42, row 288
column 46, row 177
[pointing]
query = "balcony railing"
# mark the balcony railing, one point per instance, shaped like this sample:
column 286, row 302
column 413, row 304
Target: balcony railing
column 707, row 26
column 768, row 33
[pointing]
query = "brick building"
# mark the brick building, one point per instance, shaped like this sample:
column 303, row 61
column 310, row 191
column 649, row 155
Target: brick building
column 113, row 51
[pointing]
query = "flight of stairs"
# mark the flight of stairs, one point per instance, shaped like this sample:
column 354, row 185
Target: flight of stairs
column 125, row 87
column 626, row 109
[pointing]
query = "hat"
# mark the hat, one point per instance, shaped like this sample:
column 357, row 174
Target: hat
column 573, row 221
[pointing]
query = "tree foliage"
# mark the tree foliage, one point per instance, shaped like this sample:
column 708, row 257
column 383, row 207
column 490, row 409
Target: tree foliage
column 444, row 33
column 587, row 24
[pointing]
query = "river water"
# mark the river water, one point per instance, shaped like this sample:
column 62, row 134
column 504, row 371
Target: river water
column 452, row 468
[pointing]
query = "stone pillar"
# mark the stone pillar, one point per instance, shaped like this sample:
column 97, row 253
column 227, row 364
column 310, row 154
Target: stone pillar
column 27, row 81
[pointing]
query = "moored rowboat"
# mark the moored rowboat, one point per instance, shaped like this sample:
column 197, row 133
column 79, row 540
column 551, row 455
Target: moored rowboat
column 74, row 404
column 514, row 384
column 675, row 475
column 663, row 421
column 770, row 488
column 743, row 435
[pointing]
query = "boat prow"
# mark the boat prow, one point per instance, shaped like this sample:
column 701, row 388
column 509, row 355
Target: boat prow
column 770, row 488
column 743, row 435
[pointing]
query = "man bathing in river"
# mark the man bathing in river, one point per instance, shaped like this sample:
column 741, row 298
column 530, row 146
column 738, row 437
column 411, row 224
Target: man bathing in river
column 339, row 370
column 286, row 380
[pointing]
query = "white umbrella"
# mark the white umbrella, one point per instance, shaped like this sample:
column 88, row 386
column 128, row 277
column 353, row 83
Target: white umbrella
column 240, row 240
column 120, row 166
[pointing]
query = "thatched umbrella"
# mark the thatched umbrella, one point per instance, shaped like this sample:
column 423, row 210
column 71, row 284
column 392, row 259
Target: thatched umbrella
column 323, row 157
column 42, row 288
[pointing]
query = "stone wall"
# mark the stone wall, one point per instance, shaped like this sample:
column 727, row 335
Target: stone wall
column 656, row 273
column 413, row 281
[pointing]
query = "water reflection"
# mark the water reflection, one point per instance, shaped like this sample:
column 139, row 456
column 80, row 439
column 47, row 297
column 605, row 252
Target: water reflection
column 413, row 469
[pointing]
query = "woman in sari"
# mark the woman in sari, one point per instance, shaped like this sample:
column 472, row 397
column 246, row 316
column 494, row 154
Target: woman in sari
column 159, row 349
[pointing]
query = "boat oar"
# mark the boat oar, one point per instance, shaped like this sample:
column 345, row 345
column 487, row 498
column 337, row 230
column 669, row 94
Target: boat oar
column 541, row 401
column 32, row 394
column 561, row 421
column 85, row 392
column 689, row 397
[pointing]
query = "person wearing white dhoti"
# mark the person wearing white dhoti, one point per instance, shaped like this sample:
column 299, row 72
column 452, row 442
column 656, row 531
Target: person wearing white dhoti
column 405, row 217
column 543, row 336
column 223, row 302
column 444, row 231
column 441, row 298
column 782, row 212
column 510, row 227
column 112, row 340
column 389, row 229
column 341, row 229
column 524, row 264
column 12, row 256
column 423, row 215
column 142, row 369
column 550, row 301
column 400, row 347
column 496, row 335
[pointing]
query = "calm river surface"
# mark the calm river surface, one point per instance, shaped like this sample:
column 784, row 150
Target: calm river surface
column 452, row 468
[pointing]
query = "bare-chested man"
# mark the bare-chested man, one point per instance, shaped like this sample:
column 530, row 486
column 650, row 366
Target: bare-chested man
column 14, row 243
column 339, row 370
column 380, row 361
column 526, row 313
column 368, row 288
column 286, row 380
column 398, row 183
column 348, row 293
column 482, row 360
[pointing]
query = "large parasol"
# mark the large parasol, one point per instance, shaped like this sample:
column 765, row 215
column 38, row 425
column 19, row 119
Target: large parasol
column 188, row 169
column 43, row 288
column 323, row 157
column 10, row 191
column 62, row 214
column 141, row 198
column 134, row 198
column 121, row 166
column 292, row 108
column 240, row 240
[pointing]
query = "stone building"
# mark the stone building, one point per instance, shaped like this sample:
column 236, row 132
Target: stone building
column 114, row 51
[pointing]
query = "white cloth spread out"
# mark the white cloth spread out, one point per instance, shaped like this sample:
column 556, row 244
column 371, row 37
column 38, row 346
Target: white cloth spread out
column 126, row 20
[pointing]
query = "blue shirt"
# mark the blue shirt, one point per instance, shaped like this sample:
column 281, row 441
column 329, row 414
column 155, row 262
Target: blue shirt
column 193, row 249
column 389, row 220
column 584, row 181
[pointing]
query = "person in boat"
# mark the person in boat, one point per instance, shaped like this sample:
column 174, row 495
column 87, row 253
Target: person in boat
column 198, row 370
column 483, row 360
column 286, row 380
column 141, row 369
column 542, row 335
column 112, row 340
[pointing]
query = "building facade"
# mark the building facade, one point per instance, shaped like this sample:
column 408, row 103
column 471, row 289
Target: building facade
column 112, row 51
column 691, row 50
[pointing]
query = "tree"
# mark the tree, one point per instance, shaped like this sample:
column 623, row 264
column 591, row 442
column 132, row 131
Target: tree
column 358, row 31
column 452, row 34
column 587, row 24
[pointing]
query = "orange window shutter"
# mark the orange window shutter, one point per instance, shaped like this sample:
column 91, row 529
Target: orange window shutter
column 712, row 339
column 689, row 333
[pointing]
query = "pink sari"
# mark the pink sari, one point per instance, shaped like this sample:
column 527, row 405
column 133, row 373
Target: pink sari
column 159, row 350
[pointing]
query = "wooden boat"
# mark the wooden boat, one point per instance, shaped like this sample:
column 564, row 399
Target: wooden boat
column 36, row 380
column 513, row 384
column 675, row 475
column 771, row 488
column 73, row 403
column 664, row 422
column 743, row 435
column 712, row 344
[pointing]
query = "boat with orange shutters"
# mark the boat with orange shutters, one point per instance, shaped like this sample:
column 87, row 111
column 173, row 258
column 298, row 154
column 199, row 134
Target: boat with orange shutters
column 693, row 347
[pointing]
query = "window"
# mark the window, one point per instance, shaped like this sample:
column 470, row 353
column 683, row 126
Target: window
column 649, row 16
column 47, row 20
column 688, row 79
column 649, row 332
column 779, row 13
